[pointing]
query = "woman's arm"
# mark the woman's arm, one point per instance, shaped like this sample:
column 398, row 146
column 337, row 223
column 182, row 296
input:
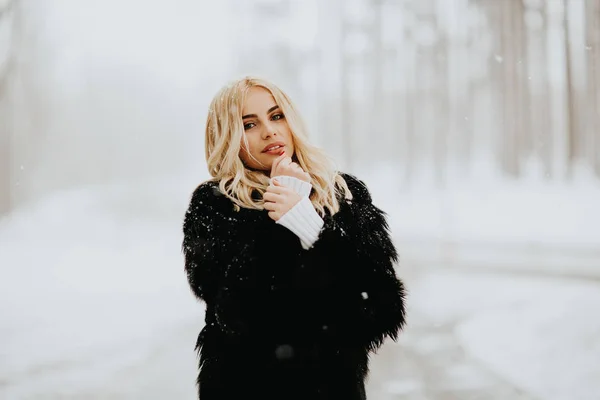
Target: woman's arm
column 214, row 247
column 352, row 265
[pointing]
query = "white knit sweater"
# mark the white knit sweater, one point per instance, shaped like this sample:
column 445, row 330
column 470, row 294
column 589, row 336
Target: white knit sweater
column 302, row 219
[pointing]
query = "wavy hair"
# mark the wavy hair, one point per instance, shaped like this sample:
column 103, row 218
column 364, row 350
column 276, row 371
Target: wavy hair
column 223, row 142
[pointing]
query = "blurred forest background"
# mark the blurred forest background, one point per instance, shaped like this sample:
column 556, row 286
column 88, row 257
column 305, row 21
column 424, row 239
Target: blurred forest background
column 434, row 92
column 509, row 84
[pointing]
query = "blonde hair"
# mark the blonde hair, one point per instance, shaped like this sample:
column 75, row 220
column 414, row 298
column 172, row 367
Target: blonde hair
column 225, row 133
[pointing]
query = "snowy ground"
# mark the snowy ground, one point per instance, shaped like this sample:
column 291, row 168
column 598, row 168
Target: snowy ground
column 88, row 287
column 492, row 209
column 94, row 304
column 530, row 225
column 538, row 334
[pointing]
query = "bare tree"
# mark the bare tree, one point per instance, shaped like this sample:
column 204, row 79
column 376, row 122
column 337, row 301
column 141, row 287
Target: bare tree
column 511, row 12
column 436, row 91
column 539, row 93
column 409, row 91
column 572, row 95
column 502, row 64
column 7, row 62
column 592, row 46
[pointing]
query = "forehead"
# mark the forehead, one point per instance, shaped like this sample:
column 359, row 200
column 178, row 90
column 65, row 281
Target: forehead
column 258, row 99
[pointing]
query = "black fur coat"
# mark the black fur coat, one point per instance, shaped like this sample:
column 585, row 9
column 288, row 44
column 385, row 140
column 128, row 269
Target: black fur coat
column 283, row 322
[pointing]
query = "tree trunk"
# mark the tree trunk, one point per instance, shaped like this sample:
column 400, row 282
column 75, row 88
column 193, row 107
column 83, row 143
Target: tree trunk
column 539, row 93
column 523, row 136
column 592, row 38
column 510, row 82
column 6, row 125
column 572, row 124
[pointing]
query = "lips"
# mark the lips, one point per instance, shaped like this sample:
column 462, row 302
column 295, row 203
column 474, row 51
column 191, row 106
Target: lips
column 273, row 147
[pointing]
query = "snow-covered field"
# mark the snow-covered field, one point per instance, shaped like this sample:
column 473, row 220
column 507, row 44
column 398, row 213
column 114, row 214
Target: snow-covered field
column 491, row 221
column 491, row 208
column 92, row 279
column 540, row 334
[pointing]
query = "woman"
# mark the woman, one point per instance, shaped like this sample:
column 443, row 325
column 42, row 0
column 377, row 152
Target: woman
column 292, row 259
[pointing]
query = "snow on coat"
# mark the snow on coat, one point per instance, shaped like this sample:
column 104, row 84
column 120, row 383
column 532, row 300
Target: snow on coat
column 283, row 322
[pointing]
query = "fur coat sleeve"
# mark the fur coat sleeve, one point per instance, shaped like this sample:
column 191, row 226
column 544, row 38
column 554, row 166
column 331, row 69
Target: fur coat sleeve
column 257, row 281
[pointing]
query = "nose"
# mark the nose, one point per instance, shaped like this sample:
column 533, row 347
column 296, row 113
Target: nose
column 269, row 131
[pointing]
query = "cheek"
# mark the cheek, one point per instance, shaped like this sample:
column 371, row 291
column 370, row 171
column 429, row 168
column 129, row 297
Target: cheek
column 252, row 149
column 288, row 133
column 290, row 138
column 246, row 145
column 246, row 159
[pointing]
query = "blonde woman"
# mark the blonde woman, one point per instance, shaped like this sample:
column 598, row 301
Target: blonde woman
column 293, row 260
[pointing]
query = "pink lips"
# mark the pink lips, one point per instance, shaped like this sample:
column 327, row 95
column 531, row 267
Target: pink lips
column 279, row 147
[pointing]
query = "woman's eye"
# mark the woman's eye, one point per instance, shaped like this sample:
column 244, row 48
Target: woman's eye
column 248, row 125
column 277, row 116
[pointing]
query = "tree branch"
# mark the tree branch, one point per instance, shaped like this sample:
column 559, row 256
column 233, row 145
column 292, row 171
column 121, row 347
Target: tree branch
column 6, row 8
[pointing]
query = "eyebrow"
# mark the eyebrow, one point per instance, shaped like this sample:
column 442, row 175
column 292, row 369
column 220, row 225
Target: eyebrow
column 275, row 107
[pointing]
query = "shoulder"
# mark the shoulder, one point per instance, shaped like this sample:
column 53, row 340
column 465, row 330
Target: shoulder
column 357, row 187
column 209, row 210
column 208, row 195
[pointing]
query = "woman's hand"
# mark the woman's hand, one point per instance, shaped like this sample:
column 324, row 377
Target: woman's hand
column 279, row 200
column 283, row 165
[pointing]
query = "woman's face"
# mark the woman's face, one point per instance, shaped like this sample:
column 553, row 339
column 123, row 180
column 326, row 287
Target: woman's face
column 266, row 130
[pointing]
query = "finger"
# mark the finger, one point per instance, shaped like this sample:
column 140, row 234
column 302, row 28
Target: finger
column 280, row 194
column 275, row 191
column 271, row 197
column 285, row 160
column 283, row 164
column 273, row 206
column 276, row 163
column 268, row 196
column 277, row 187
column 274, row 215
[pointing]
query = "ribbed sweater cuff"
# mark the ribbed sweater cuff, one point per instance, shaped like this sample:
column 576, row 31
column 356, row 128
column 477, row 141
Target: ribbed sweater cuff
column 304, row 221
column 299, row 186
